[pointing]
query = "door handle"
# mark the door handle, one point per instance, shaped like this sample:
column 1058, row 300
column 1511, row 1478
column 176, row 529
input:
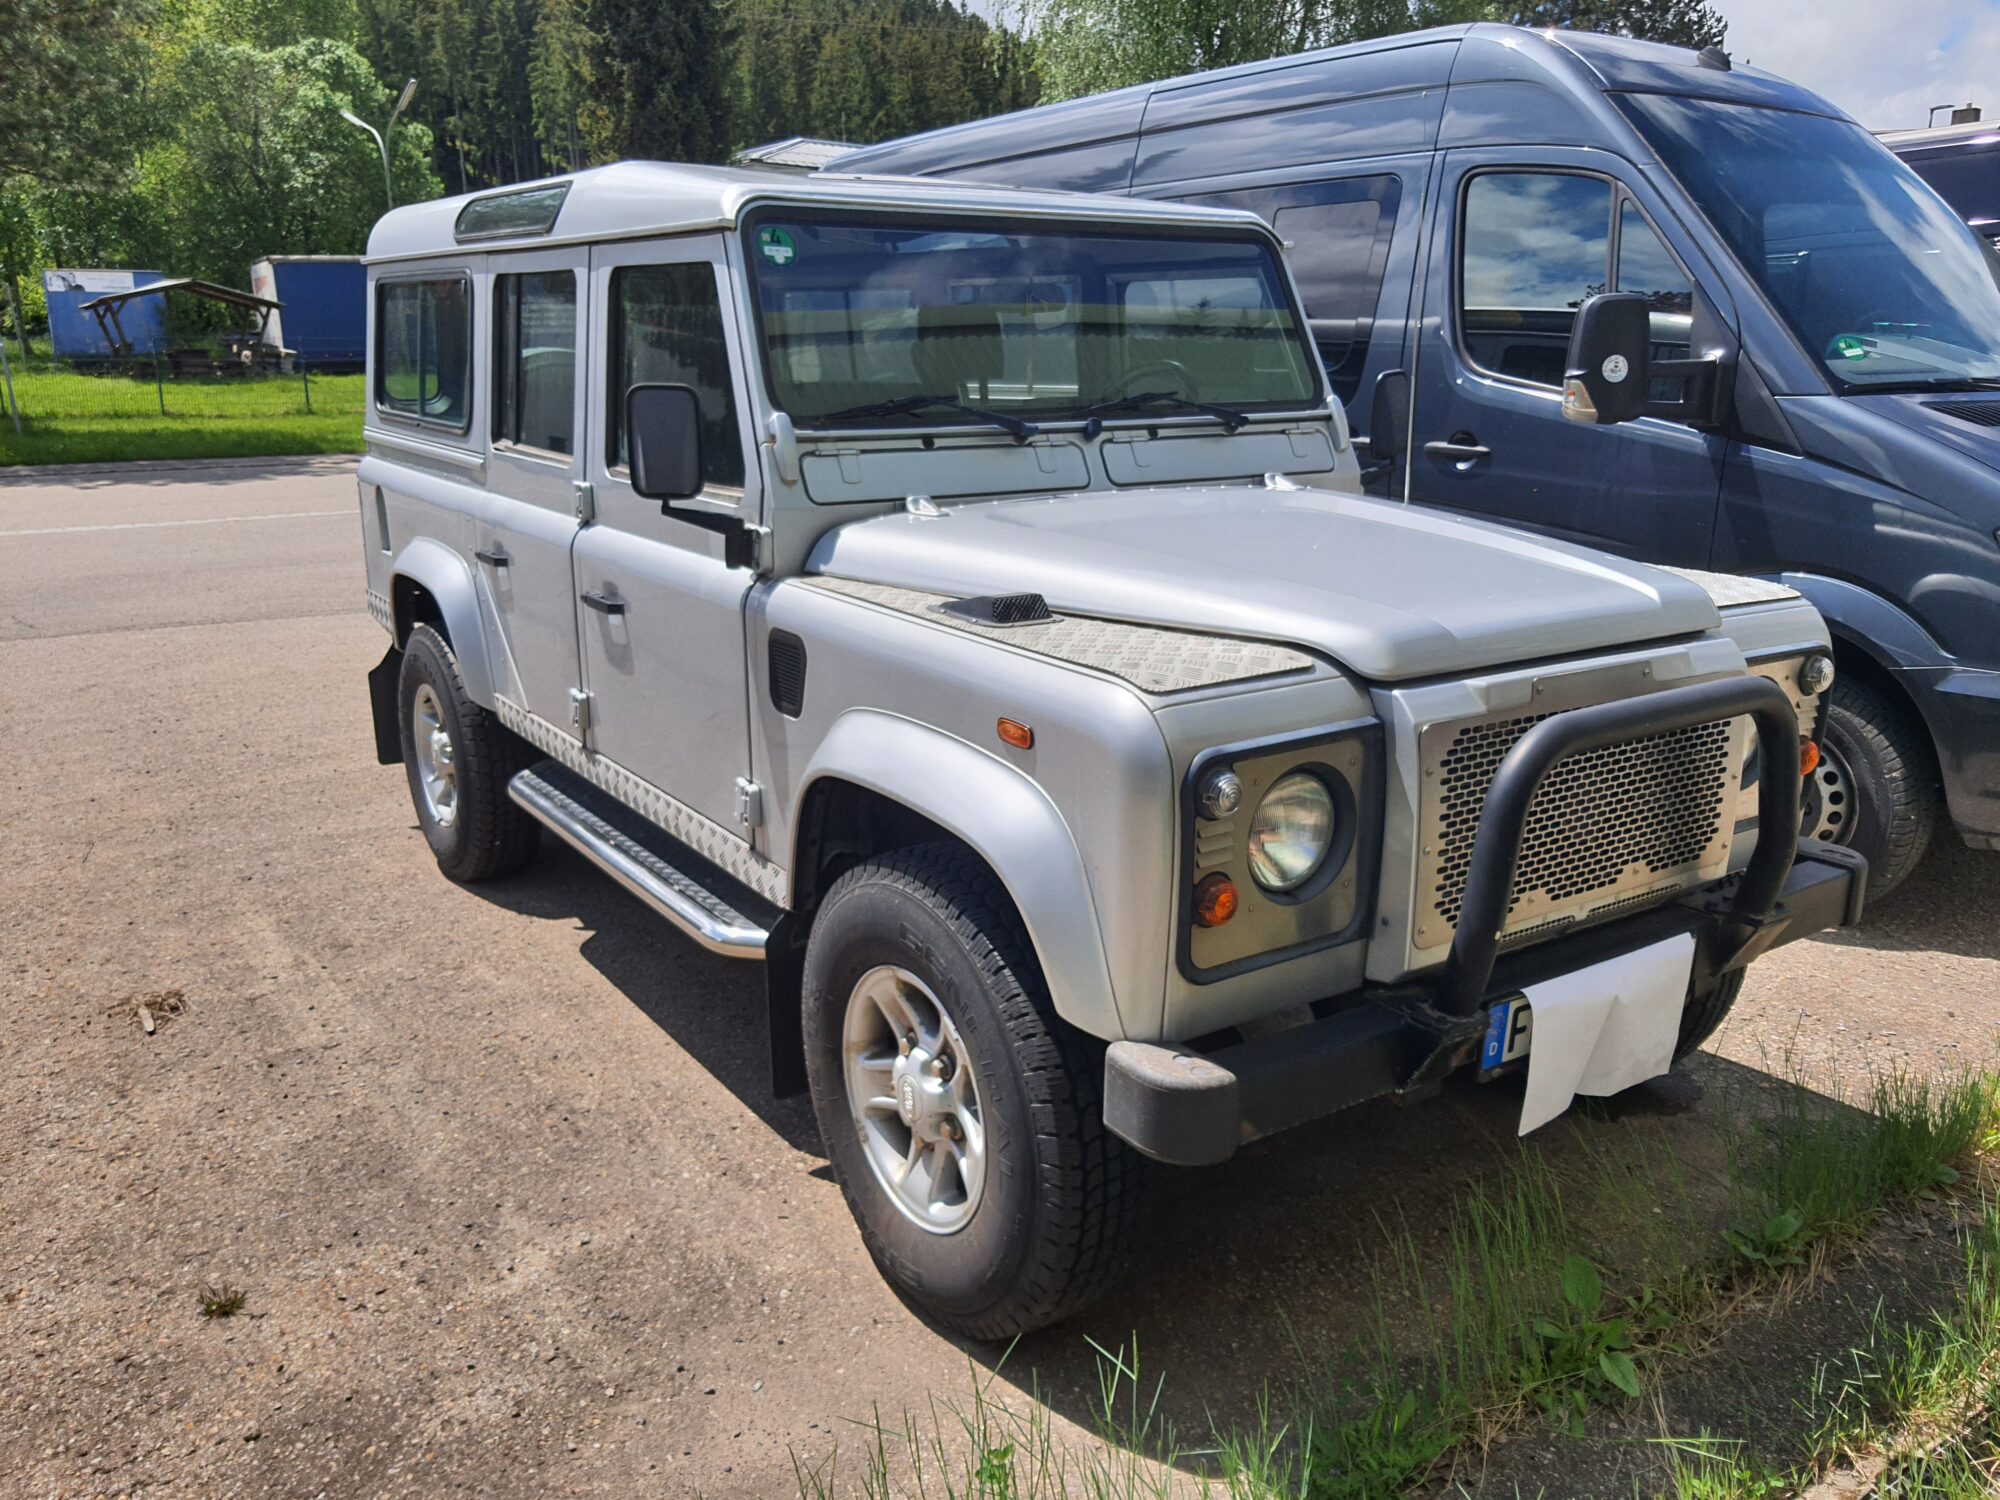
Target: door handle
column 604, row 604
column 1458, row 452
column 493, row 557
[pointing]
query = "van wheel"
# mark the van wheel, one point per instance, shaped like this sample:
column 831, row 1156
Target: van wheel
column 1706, row 1011
column 459, row 759
column 962, row 1117
column 1874, row 789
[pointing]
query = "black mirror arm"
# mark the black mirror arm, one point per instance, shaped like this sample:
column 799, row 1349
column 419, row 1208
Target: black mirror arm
column 1701, row 404
column 740, row 539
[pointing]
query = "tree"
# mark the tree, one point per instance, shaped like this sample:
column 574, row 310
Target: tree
column 1685, row 23
column 658, row 67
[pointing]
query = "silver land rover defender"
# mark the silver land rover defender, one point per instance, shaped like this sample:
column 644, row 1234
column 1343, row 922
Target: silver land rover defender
column 961, row 600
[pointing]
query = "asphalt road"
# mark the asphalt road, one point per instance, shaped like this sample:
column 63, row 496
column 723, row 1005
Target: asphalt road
column 495, row 1168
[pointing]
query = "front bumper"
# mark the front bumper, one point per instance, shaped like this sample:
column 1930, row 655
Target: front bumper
column 1192, row 1108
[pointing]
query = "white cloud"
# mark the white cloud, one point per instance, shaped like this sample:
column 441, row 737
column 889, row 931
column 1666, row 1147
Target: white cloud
column 1883, row 61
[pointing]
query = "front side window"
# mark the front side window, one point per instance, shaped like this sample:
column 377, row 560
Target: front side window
column 856, row 314
column 534, row 360
column 1877, row 279
column 1536, row 244
column 666, row 329
column 423, row 350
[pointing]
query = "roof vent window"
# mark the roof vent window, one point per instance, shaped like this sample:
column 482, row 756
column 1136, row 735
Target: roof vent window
column 504, row 216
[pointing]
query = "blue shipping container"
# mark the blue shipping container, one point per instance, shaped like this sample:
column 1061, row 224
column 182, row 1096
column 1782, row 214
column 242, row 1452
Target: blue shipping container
column 325, row 317
column 74, row 334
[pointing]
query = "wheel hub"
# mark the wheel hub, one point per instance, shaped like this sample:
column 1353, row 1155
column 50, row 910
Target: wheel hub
column 914, row 1104
column 1830, row 800
column 437, row 760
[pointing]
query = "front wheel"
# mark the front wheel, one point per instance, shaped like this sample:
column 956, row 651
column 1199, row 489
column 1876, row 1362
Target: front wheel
column 962, row 1117
column 1874, row 789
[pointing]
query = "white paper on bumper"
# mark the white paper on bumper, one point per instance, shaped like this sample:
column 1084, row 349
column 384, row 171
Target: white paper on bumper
column 1605, row 1027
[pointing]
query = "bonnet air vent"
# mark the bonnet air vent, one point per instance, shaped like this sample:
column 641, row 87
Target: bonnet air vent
column 1978, row 413
column 1001, row 609
column 788, row 673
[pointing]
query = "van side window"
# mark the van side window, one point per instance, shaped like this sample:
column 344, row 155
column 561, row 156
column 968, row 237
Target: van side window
column 1337, row 245
column 534, row 360
column 1534, row 245
column 1644, row 266
column 423, row 350
column 666, row 328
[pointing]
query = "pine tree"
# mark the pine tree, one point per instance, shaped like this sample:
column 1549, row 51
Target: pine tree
column 660, row 67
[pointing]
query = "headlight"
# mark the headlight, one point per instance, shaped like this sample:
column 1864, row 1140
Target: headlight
column 1291, row 832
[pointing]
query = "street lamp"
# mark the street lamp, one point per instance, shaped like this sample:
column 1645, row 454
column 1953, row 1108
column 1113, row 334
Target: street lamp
column 381, row 136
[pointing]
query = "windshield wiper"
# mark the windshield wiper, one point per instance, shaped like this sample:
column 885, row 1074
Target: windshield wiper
column 906, row 405
column 1227, row 415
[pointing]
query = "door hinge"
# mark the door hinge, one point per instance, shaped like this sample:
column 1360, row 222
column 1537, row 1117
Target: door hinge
column 585, row 498
column 579, row 713
column 749, row 803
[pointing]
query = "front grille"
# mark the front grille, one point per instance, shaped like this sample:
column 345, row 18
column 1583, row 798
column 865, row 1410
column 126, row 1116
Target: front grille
column 1607, row 828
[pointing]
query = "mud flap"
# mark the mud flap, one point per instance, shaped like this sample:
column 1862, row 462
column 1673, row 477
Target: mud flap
column 382, row 682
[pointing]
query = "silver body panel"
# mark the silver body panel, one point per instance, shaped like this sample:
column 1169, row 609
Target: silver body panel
column 1206, row 609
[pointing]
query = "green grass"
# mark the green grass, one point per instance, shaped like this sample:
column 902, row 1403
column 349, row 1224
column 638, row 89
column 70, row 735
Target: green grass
column 1521, row 1319
column 69, row 418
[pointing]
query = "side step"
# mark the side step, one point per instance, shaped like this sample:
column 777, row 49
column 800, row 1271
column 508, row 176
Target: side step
column 640, row 856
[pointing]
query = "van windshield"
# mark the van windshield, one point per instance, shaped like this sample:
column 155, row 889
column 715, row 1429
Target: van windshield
column 1876, row 277
column 1026, row 322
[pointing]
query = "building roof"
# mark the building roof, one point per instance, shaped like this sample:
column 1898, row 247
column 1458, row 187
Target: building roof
column 1977, row 132
column 635, row 199
column 209, row 289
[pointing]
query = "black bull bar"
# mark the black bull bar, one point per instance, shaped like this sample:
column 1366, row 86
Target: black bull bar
column 1192, row 1108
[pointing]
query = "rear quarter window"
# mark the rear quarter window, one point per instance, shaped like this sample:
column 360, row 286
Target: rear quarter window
column 423, row 350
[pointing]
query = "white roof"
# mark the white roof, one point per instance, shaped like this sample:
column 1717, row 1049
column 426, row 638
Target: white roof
column 631, row 199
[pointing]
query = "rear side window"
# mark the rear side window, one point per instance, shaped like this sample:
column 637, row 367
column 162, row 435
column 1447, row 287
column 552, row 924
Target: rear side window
column 534, row 360
column 1336, row 238
column 666, row 328
column 423, row 350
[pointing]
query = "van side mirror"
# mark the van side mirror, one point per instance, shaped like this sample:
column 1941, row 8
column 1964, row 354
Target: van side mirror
column 663, row 437
column 1610, row 359
column 1389, row 416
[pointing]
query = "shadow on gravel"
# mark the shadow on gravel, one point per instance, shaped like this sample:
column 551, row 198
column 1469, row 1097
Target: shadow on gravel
column 712, row 1007
column 1947, row 906
column 209, row 472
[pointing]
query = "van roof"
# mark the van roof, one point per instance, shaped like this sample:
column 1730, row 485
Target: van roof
column 1577, row 67
column 635, row 199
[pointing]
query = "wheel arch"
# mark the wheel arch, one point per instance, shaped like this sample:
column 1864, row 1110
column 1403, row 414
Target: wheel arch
column 1875, row 639
column 859, row 798
column 430, row 584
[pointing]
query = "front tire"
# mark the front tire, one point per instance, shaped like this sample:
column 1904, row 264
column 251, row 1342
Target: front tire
column 459, row 759
column 961, row 1116
column 1706, row 1010
column 1875, row 789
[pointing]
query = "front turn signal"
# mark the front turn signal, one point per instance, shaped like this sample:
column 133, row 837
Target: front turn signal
column 1214, row 900
column 1808, row 757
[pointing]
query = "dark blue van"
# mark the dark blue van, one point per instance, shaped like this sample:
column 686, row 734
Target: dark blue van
column 1962, row 162
column 1816, row 382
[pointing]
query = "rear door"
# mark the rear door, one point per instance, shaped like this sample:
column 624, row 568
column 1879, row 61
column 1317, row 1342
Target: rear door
column 1515, row 249
column 662, row 615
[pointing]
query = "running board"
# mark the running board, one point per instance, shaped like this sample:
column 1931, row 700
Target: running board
column 635, row 853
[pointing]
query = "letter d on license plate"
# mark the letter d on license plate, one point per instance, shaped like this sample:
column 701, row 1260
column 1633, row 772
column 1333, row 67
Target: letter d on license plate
column 1509, row 1032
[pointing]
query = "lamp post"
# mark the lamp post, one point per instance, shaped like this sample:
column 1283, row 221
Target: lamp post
column 382, row 136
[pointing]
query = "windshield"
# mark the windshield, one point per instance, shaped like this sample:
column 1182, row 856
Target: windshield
column 947, row 324
column 1877, row 278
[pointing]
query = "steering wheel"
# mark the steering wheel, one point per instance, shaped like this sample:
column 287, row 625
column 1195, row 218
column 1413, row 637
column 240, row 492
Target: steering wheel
column 1169, row 374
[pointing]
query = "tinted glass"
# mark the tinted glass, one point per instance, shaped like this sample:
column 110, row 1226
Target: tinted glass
column 534, row 360
column 1645, row 267
column 1876, row 277
column 1535, row 245
column 1968, row 178
column 1338, row 252
column 666, row 329
column 423, row 350
column 532, row 212
column 1026, row 321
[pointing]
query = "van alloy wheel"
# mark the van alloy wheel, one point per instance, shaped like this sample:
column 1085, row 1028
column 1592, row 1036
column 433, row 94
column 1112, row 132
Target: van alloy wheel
column 437, row 763
column 913, row 1098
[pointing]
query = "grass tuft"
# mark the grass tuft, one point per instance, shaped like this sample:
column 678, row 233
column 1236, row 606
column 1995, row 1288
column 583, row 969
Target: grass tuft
column 222, row 1302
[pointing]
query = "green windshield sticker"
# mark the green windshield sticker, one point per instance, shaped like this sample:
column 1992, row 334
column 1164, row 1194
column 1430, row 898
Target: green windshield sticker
column 1849, row 346
column 776, row 246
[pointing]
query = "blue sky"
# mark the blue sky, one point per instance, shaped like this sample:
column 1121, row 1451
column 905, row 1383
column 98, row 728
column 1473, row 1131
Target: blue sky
column 1883, row 61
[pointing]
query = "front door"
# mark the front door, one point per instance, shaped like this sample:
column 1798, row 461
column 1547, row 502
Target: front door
column 661, row 615
column 1515, row 251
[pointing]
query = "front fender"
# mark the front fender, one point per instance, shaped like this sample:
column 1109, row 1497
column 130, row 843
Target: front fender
column 1878, row 626
column 1009, row 821
column 447, row 578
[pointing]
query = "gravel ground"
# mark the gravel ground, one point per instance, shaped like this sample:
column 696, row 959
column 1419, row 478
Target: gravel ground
column 495, row 1170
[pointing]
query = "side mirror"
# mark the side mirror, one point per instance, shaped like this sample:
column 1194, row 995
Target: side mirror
column 663, row 438
column 1389, row 416
column 1610, row 359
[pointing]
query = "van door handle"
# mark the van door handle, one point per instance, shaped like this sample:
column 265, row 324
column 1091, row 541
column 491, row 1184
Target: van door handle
column 604, row 604
column 1458, row 452
column 493, row 557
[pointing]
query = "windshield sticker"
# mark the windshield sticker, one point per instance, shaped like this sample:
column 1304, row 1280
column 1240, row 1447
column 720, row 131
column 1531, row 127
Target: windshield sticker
column 776, row 246
column 1849, row 346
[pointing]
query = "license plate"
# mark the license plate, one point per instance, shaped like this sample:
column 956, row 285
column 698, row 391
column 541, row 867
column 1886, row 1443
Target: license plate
column 1510, row 1028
